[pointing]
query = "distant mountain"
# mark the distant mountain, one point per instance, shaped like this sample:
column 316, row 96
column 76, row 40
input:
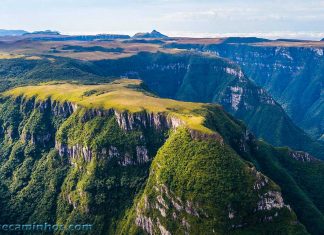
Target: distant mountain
column 45, row 32
column 245, row 40
column 98, row 37
column 291, row 40
column 153, row 34
column 6, row 32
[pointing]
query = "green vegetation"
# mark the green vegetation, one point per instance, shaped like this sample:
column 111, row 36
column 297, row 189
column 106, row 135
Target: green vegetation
column 218, row 182
column 62, row 164
column 122, row 95
column 198, row 77
column 291, row 72
column 188, row 76
column 69, row 167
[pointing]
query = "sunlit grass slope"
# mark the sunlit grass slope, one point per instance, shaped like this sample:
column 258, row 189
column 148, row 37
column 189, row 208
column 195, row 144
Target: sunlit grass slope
column 122, row 95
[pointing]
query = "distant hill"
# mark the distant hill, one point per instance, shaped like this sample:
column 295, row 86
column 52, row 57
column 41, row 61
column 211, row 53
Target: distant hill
column 291, row 40
column 153, row 34
column 245, row 40
column 59, row 37
column 45, row 32
column 8, row 32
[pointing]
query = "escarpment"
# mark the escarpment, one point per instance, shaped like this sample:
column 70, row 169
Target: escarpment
column 144, row 122
column 158, row 123
column 198, row 77
column 130, row 167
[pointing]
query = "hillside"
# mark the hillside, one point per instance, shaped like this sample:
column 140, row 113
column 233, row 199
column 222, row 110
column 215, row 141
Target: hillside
column 99, row 146
column 291, row 75
column 209, row 79
column 91, row 154
column 183, row 76
column 153, row 34
column 290, row 70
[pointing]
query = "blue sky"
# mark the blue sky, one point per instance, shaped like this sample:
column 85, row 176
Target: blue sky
column 271, row 18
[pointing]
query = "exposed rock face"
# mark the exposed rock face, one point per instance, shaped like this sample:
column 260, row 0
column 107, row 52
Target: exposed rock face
column 271, row 200
column 145, row 223
column 234, row 72
column 236, row 95
column 165, row 203
column 142, row 154
column 127, row 121
column 162, row 229
column 198, row 135
column 289, row 74
column 65, row 109
column 76, row 151
column 243, row 96
column 302, row 156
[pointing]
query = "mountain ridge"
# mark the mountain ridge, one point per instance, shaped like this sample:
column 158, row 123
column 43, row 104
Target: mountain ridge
column 153, row 34
column 49, row 123
column 9, row 32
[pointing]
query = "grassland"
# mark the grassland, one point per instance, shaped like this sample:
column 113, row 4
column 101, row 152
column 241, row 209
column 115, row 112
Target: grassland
column 10, row 56
column 30, row 49
column 122, row 95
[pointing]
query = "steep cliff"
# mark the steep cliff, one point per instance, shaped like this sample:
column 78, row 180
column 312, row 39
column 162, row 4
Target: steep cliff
column 88, row 154
column 292, row 74
column 184, row 76
column 205, row 78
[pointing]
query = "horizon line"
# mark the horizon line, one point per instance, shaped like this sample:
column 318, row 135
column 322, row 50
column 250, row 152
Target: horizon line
column 273, row 35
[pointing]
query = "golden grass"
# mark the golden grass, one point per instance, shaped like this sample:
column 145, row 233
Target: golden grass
column 117, row 95
column 35, row 50
column 8, row 56
column 33, row 58
column 86, row 56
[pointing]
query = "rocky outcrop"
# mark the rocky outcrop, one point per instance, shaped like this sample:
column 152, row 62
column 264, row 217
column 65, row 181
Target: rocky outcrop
column 167, row 205
column 198, row 135
column 145, row 223
column 288, row 73
column 127, row 121
column 153, row 34
column 78, row 151
column 268, row 199
column 271, row 200
column 302, row 156
column 160, row 121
